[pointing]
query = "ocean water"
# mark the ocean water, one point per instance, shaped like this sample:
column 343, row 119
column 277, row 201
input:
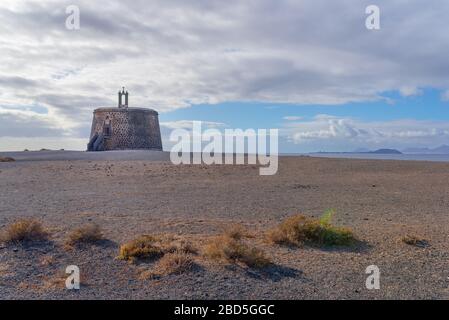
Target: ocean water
column 415, row 157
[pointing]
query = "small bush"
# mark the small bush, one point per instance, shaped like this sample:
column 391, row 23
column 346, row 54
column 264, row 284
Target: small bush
column 89, row 233
column 7, row 159
column 236, row 231
column 290, row 231
column 143, row 247
column 24, row 230
column 183, row 246
column 173, row 263
column 299, row 229
column 415, row 241
column 229, row 249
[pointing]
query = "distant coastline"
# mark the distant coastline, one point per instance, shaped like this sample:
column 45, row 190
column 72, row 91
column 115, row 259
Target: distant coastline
column 385, row 156
column 379, row 151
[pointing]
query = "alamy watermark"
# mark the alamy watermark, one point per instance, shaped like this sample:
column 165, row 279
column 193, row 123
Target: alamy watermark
column 212, row 147
column 372, row 22
column 73, row 280
column 73, row 21
column 373, row 280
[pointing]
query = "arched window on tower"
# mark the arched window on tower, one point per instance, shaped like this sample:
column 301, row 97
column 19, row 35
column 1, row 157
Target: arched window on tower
column 107, row 130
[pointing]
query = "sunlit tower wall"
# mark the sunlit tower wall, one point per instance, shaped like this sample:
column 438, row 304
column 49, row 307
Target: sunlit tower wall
column 125, row 128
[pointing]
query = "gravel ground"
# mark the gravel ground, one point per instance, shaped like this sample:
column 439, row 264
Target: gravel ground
column 381, row 200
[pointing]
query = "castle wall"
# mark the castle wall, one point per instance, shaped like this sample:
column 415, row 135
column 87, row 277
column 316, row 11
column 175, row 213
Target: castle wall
column 129, row 128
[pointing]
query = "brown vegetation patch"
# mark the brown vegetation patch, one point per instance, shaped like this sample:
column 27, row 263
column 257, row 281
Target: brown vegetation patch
column 7, row 159
column 154, row 247
column 183, row 246
column 143, row 247
column 230, row 247
column 90, row 233
column 416, row 241
column 171, row 263
column 237, row 232
column 24, row 230
column 299, row 229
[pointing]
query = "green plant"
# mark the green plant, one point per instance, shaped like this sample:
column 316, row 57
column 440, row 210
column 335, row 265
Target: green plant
column 326, row 218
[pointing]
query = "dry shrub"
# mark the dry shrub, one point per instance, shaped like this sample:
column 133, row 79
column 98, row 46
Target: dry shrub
column 7, row 159
column 230, row 249
column 416, row 241
column 290, row 231
column 90, row 233
column 183, row 246
column 154, row 247
column 173, row 263
column 24, row 230
column 299, row 229
column 236, row 231
column 145, row 274
column 143, row 247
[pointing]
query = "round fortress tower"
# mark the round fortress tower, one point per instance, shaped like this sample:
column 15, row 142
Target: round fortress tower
column 125, row 128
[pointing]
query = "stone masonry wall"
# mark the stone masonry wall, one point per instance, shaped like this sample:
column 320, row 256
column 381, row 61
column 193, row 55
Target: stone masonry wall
column 129, row 128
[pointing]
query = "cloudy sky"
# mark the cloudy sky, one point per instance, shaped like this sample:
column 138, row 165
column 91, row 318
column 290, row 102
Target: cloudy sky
column 310, row 68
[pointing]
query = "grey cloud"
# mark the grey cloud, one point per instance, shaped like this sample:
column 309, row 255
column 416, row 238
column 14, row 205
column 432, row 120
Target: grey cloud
column 347, row 134
column 77, row 107
column 16, row 125
column 17, row 82
column 174, row 53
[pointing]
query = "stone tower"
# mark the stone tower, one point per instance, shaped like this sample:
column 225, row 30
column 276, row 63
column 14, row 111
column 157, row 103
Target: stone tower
column 125, row 128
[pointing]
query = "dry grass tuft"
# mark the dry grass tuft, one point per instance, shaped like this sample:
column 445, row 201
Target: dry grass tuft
column 7, row 159
column 154, row 247
column 143, row 247
column 299, row 229
column 183, row 246
column 416, row 241
column 236, row 231
column 172, row 263
column 24, row 230
column 231, row 249
column 89, row 233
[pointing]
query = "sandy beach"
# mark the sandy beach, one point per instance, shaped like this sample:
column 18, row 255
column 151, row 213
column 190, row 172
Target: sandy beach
column 380, row 200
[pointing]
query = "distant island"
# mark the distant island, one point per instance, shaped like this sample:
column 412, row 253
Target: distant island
column 378, row 151
column 385, row 151
column 444, row 149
